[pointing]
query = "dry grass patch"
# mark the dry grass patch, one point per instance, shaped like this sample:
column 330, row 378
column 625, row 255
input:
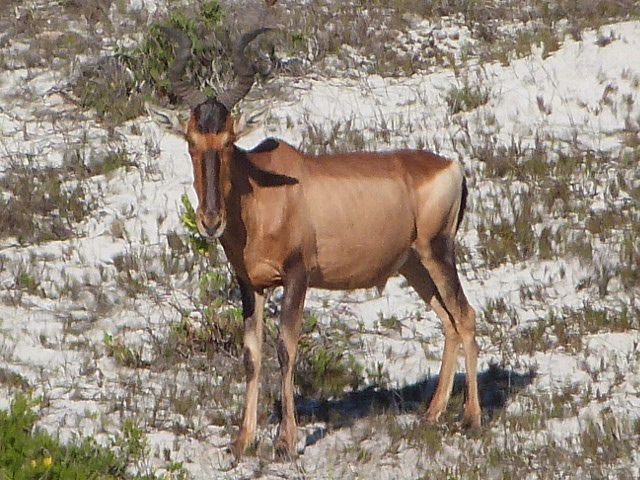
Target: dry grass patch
column 44, row 203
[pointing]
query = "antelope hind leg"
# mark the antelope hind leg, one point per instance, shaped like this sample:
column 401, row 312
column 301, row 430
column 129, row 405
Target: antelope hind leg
column 295, row 287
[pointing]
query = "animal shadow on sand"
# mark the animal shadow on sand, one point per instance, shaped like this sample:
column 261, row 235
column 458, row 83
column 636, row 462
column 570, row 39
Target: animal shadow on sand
column 496, row 386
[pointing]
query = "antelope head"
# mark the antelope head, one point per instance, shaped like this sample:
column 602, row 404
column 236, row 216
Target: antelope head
column 211, row 129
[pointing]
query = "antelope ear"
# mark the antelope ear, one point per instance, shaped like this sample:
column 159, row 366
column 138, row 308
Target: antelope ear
column 244, row 123
column 239, row 125
column 174, row 121
column 227, row 140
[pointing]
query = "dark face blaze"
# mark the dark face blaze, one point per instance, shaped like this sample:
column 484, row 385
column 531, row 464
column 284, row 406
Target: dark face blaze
column 209, row 133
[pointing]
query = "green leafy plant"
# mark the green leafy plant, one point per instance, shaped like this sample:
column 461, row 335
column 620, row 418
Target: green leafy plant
column 199, row 242
column 111, row 162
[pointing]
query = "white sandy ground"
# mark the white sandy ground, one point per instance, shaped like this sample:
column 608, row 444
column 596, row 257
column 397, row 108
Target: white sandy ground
column 83, row 384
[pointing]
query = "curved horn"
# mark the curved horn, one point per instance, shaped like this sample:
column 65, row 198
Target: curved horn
column 244, row 69
column 182, row 89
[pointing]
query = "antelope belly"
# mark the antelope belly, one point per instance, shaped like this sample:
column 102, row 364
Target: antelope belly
column 360, row 245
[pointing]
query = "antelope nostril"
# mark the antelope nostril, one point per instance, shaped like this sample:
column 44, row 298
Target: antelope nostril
column 210, row 225
column 207, row 228
column 211, row 229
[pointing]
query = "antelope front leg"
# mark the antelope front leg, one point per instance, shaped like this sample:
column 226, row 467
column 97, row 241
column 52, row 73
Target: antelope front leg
column 252, row 312
column 295, row 287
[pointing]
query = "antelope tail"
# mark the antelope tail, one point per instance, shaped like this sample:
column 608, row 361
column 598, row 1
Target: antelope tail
column 463, row 203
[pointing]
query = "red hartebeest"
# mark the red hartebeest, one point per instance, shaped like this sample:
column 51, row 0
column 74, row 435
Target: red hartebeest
column 340, row 221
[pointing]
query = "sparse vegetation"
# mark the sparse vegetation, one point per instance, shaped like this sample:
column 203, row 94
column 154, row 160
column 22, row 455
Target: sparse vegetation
column 326, row 366
column 43, row 203
column 147, row 314
column 117, row 86
column 109, row 89
column 27, row 452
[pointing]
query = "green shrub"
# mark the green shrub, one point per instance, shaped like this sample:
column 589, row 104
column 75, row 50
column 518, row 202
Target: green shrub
column 117, row 87
column 29, row 453
column 150, row 61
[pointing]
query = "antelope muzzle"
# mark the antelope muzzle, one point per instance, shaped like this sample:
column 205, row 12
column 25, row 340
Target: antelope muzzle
column 210, row 214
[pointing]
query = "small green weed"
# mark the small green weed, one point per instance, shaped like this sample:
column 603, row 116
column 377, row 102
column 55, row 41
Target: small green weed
column 132, row 442
column 509, row 236
column 325, row 367
column 26, row 281
column 218, row 330
column 466, row 98
column 122, row 354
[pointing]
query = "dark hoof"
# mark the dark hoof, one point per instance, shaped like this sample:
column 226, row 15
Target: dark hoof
column 283, row 452
column 471, row 422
